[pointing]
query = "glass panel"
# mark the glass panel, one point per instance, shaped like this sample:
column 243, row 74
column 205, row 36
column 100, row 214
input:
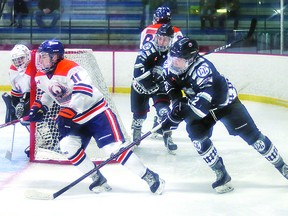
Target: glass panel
column 118, row 23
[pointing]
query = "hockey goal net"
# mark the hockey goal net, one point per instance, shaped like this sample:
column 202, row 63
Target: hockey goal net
column 44, row 136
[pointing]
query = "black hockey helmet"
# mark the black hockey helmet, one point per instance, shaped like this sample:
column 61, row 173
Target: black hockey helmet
column 182, row 55
column 166, row 30
column 164, row 36
column 184, row 48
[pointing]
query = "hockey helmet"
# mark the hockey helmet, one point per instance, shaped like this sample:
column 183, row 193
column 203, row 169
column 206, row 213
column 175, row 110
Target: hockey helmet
column 182, row 55
column 164, row 37
column 49, row 53
column 162, row 15
column 21, row 57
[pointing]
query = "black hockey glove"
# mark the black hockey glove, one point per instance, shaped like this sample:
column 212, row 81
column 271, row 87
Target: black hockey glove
column 37, row 111
column 158, row 78
column 176, row 115
column 170, row 123
column 64, row 121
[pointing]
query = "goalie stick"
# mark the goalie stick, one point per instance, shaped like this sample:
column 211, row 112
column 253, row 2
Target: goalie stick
column 8, row 154
column 252, row 28
column 25, row 118
column 34, row 194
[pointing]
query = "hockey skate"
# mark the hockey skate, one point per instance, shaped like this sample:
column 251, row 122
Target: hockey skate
column 222, row 178
column 137, row 129
column 155, row 183
column 136, row 134
column 158, row 133
column 99, row 183
column 169, row 144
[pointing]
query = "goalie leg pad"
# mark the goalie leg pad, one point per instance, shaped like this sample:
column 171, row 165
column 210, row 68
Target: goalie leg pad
column 10, row 110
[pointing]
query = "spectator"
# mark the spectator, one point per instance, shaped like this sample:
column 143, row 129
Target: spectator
column 19, row 11
column 47, row 8
column 207, row 11
column 233, row 11
column 232, row 8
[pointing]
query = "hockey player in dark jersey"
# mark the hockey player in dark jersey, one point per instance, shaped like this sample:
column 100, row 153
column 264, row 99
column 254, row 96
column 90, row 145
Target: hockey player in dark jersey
column 210, row 97
column 148, row 83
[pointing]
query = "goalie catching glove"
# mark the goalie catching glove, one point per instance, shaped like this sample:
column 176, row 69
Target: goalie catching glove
column 37, row 111
column 64, row 121
column 176, row 115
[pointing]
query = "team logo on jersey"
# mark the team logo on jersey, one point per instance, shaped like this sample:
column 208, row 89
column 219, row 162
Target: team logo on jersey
column 147, row 46
column 60, row 93
column 203, row 71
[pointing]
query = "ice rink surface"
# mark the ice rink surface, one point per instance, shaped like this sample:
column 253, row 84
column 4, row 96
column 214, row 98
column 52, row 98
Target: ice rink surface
column 259, row 188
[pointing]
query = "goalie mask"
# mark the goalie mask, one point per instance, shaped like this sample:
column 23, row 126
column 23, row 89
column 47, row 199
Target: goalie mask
column 162, row 15
column 48, row 55
column 164, row 37
column 21, row 57
column 182, row 54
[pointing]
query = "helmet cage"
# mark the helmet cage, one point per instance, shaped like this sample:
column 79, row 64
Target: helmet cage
column 20, row 57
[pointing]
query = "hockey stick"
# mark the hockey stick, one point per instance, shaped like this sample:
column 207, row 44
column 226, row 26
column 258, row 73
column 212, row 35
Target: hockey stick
column 25, row 118
column 248, row 36
column 8, row 154
column 32, row 194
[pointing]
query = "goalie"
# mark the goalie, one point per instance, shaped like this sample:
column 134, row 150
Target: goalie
column 18, row 101
column 84, row 113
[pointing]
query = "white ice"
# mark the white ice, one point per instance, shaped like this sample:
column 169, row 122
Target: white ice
column 259, row 187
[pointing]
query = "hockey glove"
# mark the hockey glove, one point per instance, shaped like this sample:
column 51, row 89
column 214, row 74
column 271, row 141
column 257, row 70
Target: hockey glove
column 37, row 111
column 170, row 123
column 176, row 115
column 64, row 121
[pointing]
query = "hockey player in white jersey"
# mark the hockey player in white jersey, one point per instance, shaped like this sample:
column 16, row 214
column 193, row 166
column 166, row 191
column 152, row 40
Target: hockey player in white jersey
column 20, row 72
column 210, row 97
column 84, row 113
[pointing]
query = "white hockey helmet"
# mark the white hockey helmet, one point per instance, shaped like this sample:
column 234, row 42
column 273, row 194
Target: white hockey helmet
column 21, row 57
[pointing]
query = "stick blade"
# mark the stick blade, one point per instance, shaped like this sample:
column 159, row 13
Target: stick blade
column 8, row 155
column 38, row 195
column 252, row 28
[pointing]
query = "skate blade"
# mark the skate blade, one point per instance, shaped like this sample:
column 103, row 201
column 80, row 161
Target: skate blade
column 171, row 152
column 226, row 188
column 161, row 187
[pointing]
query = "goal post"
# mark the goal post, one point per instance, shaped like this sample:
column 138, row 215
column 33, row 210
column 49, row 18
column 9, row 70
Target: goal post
column 44, row 135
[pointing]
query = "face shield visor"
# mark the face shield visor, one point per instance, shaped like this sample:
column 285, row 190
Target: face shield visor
column 44, row 62
column 178, row 65
column 163, row 42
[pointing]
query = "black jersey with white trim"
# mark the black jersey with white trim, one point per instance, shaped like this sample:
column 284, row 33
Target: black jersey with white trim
column 205, row 87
